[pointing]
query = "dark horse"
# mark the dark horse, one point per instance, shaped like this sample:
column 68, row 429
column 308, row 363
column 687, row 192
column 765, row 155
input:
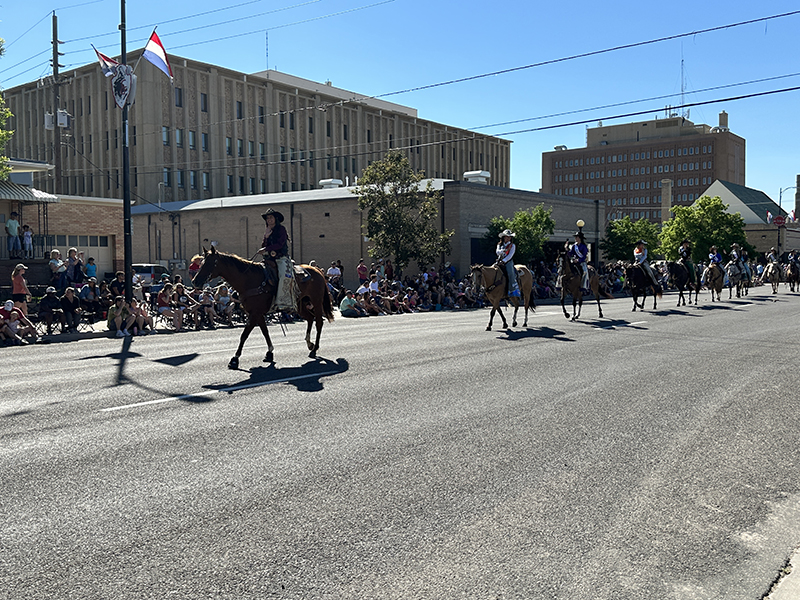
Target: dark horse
column 793, row 277
column 679, row 273
column 639, row 282
column 570, row 280
column 247, row 278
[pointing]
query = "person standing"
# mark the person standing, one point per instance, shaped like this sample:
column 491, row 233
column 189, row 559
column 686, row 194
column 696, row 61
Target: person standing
column 505, row 257
column 12, row 230
column 363, row 272
column 27, row 241
column 19, row 288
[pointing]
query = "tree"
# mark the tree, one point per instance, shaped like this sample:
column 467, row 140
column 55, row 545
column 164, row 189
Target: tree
column 705, row 223
column 400, row 217
column 532, row 228
column 5, row 134
column 622, row 235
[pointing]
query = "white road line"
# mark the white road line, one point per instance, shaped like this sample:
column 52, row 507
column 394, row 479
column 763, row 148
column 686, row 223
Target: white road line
column 234, row 388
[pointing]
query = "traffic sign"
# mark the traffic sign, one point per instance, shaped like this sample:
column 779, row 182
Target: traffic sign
column 779, row 220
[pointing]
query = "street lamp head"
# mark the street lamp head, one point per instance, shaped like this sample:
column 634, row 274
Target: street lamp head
column 580, row 223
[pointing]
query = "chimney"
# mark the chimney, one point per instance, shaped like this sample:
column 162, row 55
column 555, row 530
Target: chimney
column 723, row 121
column 477, row 176
column 666, row 200
column 330, row 184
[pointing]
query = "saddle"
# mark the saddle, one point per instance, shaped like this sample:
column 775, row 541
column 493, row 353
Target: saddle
column 501, row 278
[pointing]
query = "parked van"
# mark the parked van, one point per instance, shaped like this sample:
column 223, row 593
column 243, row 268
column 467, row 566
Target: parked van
column 151, row 273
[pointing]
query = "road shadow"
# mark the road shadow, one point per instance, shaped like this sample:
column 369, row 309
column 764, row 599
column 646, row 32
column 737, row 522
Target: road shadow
column 308, row 377
column 177, row 361
column 668, row 312
column 612, row 324
column 549, row 333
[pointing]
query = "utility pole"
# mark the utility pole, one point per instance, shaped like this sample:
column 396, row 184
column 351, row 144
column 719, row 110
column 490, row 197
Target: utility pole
column 126, row 172
column 56, row 103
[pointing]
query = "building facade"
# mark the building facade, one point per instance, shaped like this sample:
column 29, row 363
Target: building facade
column 623, row 166
column 217, row 132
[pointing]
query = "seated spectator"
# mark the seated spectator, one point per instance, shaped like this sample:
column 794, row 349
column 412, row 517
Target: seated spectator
column 120, row 318
column 224, row 303
column 349, row 307
column 106, row 299
column 166, row 307
column 143, row 320
column 71, row 306
column 21, row 327
column 368, row 305
column 182, row 301
column 50, row 310
column 90, row 299
column 8, row 332
column 207, row 306
column 58, row 271
column 117, row 287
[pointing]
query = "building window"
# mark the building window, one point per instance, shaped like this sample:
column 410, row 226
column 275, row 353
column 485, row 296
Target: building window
column 282, row 120
column 239, row 110
column 229, row 146
column 203, row 102
column 310, row 124
column 193, row 179
column 241, row 185
column 192, row 140
column 204, row 141
column 240, row 147
column 165, row 135
column 328, row 128
column 251, row 148
column 262, row 150
column 252, row 185
column 263, row 186
column 179, row 176
column 230, row 184
column 261, row 113
column 178, row 96
column 283, row 153
column 179, row 138
column 167, row 178
column 344, row 131
column 291, row 120
column 206, row 181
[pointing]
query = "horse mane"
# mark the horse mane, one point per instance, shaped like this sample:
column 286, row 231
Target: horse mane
column 243, row 265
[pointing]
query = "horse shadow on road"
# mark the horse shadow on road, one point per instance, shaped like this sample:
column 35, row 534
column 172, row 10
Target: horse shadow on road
column 668, row 312
column 513, row 335
column 611, row 324
column 306, row 378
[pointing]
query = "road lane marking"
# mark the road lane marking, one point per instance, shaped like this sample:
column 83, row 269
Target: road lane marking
column 233, row 388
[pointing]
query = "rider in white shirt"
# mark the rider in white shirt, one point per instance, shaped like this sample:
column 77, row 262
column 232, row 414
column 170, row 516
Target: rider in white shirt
column 505, row 256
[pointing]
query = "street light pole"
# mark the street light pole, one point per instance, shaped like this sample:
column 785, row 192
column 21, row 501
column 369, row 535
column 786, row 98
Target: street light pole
column 780, row 194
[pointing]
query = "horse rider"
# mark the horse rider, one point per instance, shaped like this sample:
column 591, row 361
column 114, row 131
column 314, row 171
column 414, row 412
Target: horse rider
column 505, row 258
column 685, row 252
column 579, row 253
column 793, row 258
column 772, row 257
column 714, row 258
column 746, row 264
column 736, row 257
column 640, row 258
column 275, row 249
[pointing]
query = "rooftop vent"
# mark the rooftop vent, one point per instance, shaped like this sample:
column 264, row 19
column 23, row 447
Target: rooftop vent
column 330, row 184
column 477, row 176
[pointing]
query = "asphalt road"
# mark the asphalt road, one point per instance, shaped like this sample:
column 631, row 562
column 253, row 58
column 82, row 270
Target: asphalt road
column 645, row 455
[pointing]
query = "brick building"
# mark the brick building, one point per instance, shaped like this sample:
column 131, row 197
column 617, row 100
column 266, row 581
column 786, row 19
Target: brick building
column 218, row 132
column 623, row 166
column 326, row 224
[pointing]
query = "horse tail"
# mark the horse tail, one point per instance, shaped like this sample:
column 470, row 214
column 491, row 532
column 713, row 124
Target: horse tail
column 327, row 306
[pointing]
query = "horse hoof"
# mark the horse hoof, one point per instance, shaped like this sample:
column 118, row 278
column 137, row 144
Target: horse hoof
column 234, row 363
column 312, row 354
column 269, row 358
column 514, row 324
column 489, row 328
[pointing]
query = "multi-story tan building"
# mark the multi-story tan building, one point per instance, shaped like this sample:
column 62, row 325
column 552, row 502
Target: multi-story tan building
column 623, row 165
column 218, row 132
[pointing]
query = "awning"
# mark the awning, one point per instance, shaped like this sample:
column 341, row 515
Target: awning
column 23, row 193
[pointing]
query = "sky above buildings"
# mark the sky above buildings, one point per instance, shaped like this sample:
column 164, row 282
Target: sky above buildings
column 535, row 73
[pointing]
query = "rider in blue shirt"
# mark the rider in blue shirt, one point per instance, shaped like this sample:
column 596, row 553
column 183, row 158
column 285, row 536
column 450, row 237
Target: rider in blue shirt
column 579, row 253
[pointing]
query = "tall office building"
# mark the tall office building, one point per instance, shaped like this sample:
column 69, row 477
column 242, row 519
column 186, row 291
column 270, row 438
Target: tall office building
column 218, row 132
column 623, row 166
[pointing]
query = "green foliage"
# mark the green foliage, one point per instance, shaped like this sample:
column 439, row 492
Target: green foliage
column 5, row 134
column 706, row 223
column 622, row 235
column 401, row 219
column 532, row 227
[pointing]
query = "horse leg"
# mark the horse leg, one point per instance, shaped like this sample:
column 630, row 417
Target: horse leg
column 249, row 326
column 514, row 316
column 491, row 318
column 262, row 323
column 564, row 297
column 318, row 322
column 308, row 334
column 580, row 306
column 502, row 316
column 635, row 304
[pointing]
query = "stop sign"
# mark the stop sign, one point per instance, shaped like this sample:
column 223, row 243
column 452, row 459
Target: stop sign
column 779, row 220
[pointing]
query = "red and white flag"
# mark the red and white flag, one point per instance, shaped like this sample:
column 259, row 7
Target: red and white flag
column 769, row 217
column 155, row 53
column 106, row 64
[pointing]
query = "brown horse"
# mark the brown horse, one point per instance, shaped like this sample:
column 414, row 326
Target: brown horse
column 256, row 295
column 714, row 277
column 570, row 282
column 793, row 277
column 639, row 282
column 772, row 273
column 493, row 279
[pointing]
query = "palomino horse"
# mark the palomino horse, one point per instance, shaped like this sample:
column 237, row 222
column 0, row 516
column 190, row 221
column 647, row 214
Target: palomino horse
column 247, row 278
column 570, row 282
column 639, row 282
column 793, row 277
column 493, row 279
column 714, row 277
column 735, row 279
column 772, row 273
column 679, row 273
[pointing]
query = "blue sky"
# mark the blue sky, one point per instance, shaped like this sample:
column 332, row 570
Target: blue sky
column 376, row 47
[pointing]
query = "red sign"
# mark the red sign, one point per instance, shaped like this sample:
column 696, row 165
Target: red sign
column 779, row 220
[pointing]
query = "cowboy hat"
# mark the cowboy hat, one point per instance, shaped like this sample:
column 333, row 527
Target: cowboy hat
column 506, row 233
column 579, row 234
column 278, row 216
column 641, row 242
